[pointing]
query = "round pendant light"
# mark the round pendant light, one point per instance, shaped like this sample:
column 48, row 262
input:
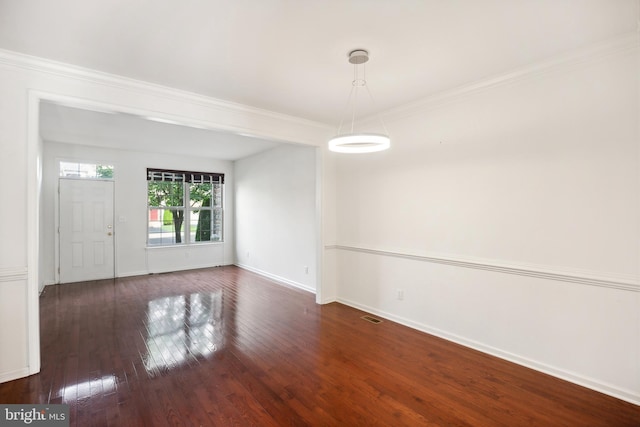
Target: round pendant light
column 359, row 142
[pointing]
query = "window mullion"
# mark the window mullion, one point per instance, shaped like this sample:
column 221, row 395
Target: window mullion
column 187, row 213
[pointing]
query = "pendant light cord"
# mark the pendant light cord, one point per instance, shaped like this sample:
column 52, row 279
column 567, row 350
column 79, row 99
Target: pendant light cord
column 377, row 114
column 353, row 99
column 346, row 108
column 355, row 85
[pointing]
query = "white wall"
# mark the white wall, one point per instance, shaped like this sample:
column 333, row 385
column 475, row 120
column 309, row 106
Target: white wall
column 509, row 217
column 327, row 256
column 132, row 255
column 276, row 214
column 24, row 81
column 15, row 185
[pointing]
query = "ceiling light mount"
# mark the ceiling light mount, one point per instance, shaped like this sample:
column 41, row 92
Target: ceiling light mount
column 359, row 142
column 358, row 56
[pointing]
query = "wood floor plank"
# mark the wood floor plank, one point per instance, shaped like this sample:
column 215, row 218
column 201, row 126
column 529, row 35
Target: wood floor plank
column 224, row 347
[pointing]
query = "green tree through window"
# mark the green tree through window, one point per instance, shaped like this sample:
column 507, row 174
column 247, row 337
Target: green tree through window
column 170, row 196
column 184, row 207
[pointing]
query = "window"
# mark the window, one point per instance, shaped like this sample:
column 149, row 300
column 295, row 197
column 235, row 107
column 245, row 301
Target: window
column 86, row 170
column 183, row 200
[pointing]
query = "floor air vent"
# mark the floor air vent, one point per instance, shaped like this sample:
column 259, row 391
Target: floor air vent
column 371, row 319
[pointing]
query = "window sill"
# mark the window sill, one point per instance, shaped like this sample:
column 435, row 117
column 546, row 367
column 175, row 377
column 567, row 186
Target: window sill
column 184, row 246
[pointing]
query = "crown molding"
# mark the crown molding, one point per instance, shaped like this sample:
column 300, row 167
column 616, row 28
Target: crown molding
column 47, row 66
column 628, row 42
column 541, row 272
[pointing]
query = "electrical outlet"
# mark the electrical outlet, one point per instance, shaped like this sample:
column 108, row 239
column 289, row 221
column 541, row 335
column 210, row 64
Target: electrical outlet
column 306, row 270
column 399, row 294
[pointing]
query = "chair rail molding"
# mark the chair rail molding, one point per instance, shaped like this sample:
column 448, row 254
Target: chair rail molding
column 12, row 274
column 625, row 283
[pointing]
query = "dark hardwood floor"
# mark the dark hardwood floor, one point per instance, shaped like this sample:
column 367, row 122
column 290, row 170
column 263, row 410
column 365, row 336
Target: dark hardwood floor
column 223, row 347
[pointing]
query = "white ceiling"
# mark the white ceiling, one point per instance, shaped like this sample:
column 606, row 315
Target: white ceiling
column 289, row 56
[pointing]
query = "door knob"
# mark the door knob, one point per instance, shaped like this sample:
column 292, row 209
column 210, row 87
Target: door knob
column 109, row 234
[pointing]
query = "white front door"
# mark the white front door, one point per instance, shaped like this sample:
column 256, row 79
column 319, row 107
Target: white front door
column 86, row 230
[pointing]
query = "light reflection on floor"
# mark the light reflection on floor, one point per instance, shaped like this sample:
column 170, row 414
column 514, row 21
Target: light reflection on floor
column 95, row 387
column 180, row 329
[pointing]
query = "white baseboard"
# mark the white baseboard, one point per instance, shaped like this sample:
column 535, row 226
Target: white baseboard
column 145, row 272
column 44, row 285
column 185, row 268
column 593, row 384
column 133, row 273
column 14, row 375
column 277, row 278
